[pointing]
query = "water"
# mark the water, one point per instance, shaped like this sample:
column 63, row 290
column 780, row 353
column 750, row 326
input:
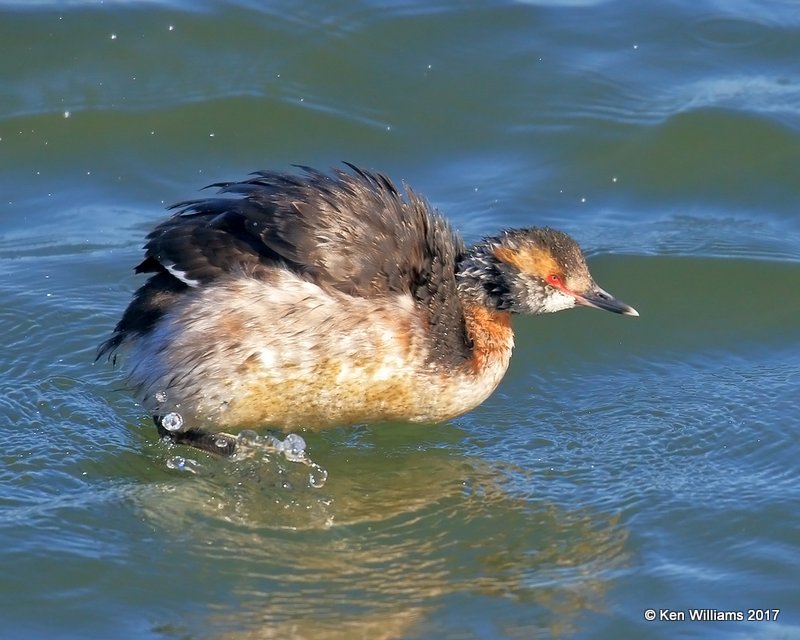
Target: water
column 624, row 463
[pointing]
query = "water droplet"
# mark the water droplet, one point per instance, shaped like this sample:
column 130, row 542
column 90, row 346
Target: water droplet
column 317, row 476
column 179, row 463
column 248, row 437
column 172, row 421
column 271, row 442
column 294, row 448
column 161, row 397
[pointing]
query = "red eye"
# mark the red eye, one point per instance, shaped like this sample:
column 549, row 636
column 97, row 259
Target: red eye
column 554, row 279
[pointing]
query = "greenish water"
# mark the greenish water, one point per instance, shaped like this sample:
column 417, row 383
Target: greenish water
column 624, row 464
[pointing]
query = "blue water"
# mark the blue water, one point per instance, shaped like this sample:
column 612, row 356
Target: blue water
column 624, row 464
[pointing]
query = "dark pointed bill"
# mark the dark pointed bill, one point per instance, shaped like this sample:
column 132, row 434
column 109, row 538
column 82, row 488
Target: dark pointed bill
column 600, row 299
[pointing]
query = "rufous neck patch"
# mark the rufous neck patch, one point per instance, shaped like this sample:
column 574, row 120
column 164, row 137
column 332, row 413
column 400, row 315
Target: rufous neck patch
column 528, row 260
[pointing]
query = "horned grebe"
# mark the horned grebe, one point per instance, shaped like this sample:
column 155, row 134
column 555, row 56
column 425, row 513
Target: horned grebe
column 313, row 299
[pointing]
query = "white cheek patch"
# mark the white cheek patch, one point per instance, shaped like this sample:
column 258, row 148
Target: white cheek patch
column 558, row 302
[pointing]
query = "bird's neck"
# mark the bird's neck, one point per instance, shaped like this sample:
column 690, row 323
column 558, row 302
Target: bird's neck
column 482, row 279
column 486, row 299
column 492, row 339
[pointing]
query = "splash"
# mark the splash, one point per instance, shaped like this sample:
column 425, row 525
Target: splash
column 248, row 443
column 292, row 448
column 179, row 463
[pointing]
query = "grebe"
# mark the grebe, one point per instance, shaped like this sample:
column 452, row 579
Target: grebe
column 313, row 299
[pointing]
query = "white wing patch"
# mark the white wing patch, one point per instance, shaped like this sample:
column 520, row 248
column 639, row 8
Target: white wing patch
column 181, row 275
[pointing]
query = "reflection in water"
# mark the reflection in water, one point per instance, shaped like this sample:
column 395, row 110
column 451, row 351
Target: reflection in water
column 384, row 545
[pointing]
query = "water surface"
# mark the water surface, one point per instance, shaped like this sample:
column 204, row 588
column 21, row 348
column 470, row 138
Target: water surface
column 623, row 464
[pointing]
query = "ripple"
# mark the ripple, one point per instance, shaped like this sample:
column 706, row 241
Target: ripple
column 777, row 12
column 622, row 102
column 704, row 431
column 564, row 3
column 385, row 544
column 728, row 31
column 701, row 234
column 755, row 93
